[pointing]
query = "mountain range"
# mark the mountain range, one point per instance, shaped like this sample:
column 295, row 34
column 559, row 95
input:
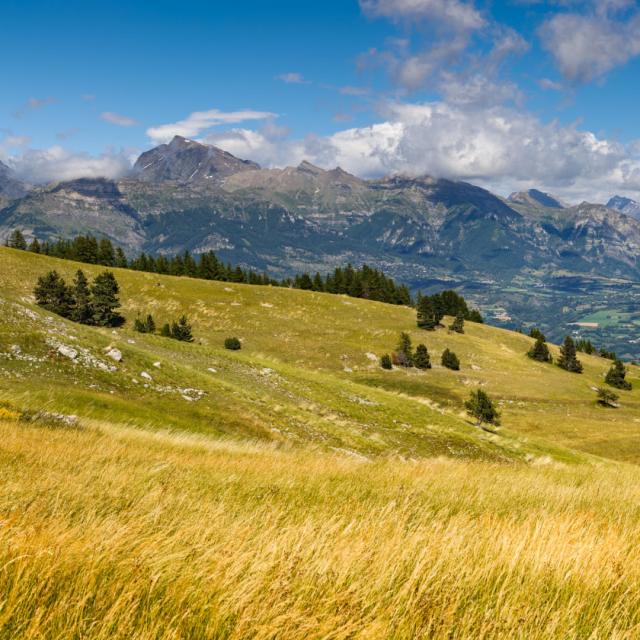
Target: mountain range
column 425, row 231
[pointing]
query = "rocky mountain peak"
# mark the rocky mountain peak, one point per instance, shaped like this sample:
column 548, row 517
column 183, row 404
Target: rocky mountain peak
column 536, row 198
column 184, row 160
column 625, row 205
column 307, row 167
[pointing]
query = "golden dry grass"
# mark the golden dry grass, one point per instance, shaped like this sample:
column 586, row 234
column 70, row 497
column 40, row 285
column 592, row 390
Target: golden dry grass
column 111, row 533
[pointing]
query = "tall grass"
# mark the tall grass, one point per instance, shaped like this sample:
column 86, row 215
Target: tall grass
column 114, row 533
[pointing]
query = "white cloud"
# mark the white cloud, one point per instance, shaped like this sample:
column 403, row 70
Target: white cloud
column 550, row 85
column 586, row 47
column 200, row 121
column 501, row 148
column 292, row 78
column 56, row 163
column 460, row 15
column 33, row 104
column 118, row 119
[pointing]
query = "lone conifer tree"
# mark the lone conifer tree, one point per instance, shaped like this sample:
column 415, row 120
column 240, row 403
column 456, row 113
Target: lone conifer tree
column 458, row 324
column 81, row 309
column 17, row 241
column 616, row 376
column 104, row 300
column 404, row 355
column 385, row 361
column 450, row 360
column 568, row 360
column 181, row 330
column 482, row 408
column 539, row 351
column 421, row 359
column 52, row 293
column 428, row 314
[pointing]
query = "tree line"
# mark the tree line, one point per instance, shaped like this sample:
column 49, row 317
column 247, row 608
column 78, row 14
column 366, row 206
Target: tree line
column 366, row 282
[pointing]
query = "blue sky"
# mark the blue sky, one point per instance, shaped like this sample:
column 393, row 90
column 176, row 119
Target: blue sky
column 509, row 94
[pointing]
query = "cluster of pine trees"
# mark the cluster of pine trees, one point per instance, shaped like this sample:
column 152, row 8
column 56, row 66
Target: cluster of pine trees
column 405, row 356
column 180, row 330
column 93, row 304
column 431, row 310
column 366, row 282
column 568, row 360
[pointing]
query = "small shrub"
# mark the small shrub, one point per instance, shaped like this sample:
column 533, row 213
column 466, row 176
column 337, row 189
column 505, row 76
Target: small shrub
column 233, row 344
column 385, row 361
column 616, row 376
column 607, row 398
column 450, row 360
column 165, row 332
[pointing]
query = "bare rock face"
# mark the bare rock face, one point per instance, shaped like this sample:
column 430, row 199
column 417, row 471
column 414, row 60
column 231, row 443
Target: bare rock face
column 185, row 160
column 67, row 352
column 114, row 354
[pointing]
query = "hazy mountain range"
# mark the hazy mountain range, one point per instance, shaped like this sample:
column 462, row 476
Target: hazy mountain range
column 186, row 195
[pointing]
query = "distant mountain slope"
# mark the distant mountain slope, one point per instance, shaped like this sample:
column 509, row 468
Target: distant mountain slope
column 10, row 186
column 536, row 198
column 625, row 205
column 187, row 161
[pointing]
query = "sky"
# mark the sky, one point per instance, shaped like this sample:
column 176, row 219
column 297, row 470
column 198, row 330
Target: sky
column 507, row 94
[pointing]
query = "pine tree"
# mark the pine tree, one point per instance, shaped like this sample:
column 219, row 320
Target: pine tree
column 539, row 351
column 35, row 247
column 421, row 358
column 458, row 324
column 150, row 324
column 81, row 309
column 17, row 241
column 106, row 255
column 385, row 361
column 475, row 316
column 616, row 376
column 450, row 360
column 104, row 300
column 181, row 330
column 404, row 352
column 568, row 360
column 482, row 408
column 52, row 293
column 536, row 333
column 428, row 314
column 120, row 259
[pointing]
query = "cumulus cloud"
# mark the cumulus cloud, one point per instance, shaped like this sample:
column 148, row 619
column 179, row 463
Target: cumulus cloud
column 201, row 121
column 292, row 78
column 56, row 163
column 587, row 46
column 118, row 119
column 501, row 148
column 460, row 15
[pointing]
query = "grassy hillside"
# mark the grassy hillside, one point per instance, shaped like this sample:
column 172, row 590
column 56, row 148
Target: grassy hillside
column 308, row 372
column 294, row 489
column 113, row 534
